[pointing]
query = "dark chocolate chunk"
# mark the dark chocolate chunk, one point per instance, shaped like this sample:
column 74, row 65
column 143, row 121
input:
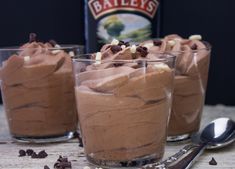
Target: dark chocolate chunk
column 127, row 44
column 80, row 141
column 34, row 155
column 52, row 42
column 142, row 50
column 194, row 47
column 157, row 42
column 115, row 49
column 212, row 162
column 46, row 167
column 22, row 153
column 42, row 154
column 29, row 152
column 32, row 37
column 121, row 43
column 117, row 64
column 62, row 163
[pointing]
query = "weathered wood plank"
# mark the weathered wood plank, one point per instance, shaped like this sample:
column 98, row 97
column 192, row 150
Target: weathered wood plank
column 9, row 151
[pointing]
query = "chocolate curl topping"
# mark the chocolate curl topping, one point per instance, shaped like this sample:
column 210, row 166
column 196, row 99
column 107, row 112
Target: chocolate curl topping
column 32, row 37
column 143, row 51
column 194, row 47
column 123, row 43
column 52, row 42
column 115, row 49
column 157, row 42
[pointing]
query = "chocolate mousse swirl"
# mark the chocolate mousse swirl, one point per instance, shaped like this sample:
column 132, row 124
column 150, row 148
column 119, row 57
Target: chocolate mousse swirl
column 130, row 99
column 192, row 64
column 37, row 88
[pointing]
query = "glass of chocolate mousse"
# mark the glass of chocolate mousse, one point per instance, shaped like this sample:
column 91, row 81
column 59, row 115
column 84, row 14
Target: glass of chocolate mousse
column 191, row 74
column 123, row 100
column 37, row 87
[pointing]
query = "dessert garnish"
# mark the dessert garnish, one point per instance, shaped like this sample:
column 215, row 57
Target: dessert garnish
column 62, row 163
column 212, row 162
column 22, row 153
column 157, row 42
column 195, row 37
column 29, row 152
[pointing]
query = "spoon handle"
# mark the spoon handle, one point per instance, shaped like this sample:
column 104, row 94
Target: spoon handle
column 172, row 159
column 187, row 161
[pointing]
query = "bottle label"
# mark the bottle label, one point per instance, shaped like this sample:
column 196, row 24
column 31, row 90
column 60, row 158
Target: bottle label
column 102, row 7
column 127, row 20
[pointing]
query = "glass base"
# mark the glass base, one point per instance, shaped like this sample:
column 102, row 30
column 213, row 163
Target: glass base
column 124, row 164
column 48, row 139
column 182, row 137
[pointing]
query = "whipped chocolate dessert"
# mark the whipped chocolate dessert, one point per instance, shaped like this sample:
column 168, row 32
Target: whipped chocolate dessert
column 192, row 64
column 123, row 101
column 37, row 89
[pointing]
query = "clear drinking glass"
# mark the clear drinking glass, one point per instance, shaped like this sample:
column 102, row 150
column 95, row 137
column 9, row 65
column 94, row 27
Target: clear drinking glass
column 37, row 91
column 123, row 108
column 189, row 93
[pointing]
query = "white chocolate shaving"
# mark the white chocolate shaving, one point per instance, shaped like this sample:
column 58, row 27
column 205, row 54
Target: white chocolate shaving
column 98, row 58
column 123, row 47
column 148, row 45
column 162, row 66
column 86, row 167
column 71, row 53
column 26, row 58
column 195, row 37
column 171, row 43
column 55, row 51
column 115, row 42
column 133, row 48
column 57, row 46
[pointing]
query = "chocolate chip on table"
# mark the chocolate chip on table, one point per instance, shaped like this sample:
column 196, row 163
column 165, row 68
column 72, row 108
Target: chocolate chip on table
column 32, row 37
column 62, row 163
column 212, row 162
column 157, row 42
column 42, row 154
column 22, row 153
column 46, row 167
column 115, row 48
column 34, row 155
column 194, row 47
column 29, row 152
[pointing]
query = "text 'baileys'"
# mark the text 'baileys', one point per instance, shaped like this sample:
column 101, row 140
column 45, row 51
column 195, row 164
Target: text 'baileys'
column 127, row 20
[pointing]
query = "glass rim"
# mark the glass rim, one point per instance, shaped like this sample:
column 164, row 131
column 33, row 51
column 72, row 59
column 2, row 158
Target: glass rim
column 62, row 47
column 169, row 57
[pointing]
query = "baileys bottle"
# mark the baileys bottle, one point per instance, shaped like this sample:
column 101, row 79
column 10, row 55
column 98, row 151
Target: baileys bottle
column 127, row 20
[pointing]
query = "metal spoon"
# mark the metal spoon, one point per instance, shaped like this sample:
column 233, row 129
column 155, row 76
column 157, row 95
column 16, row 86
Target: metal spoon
column 217, row 134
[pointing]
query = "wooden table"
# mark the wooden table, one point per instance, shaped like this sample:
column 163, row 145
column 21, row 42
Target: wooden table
column 9, row 150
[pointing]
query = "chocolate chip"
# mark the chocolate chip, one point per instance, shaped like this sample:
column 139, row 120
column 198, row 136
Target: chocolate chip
column 142, row 50
column 115, row 49
column 46, row 167
column 157, row 42
column 121, row 43
column 42, row 154
column 34, row 155
column 127, row 44
column 212, row 162
column 52, row 42
column 29, row 152
column 62, row 163
column 117, row 64
column 194, row 47
column 62, row 159
column 32, row 37
column 80, row 140
column 22, row 153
